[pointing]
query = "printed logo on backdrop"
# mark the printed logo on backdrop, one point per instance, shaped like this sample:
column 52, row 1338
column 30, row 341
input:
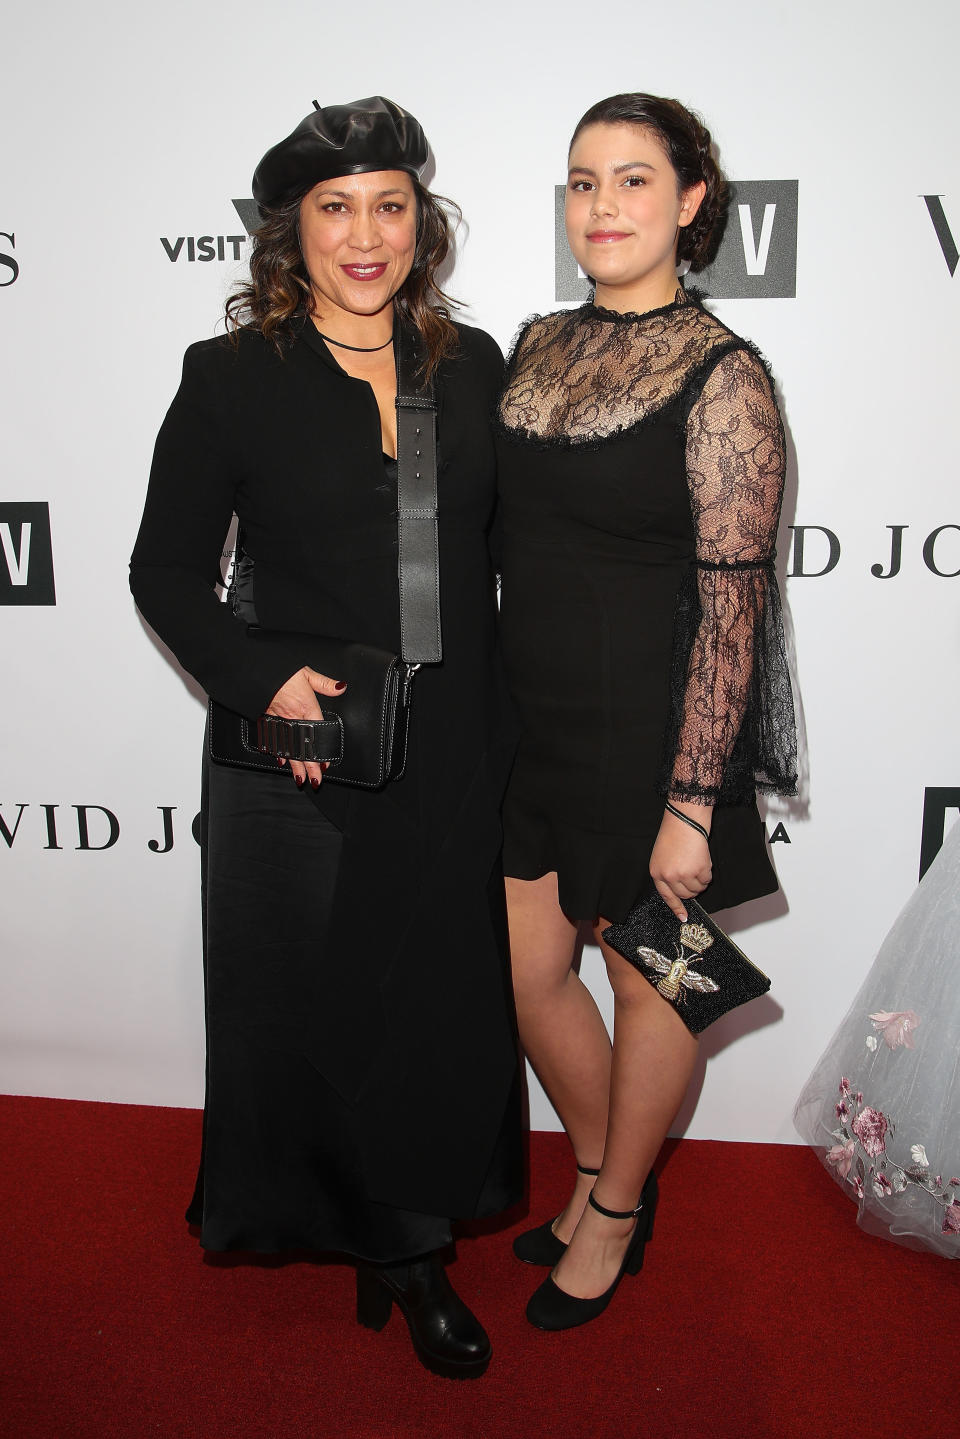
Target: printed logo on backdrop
column 90, row 827
column 757, row 258
column 9, row 269
column 94, row 827
column 942, row 230
column 937, row 800
column 815, row 551
column 26, row 555
column 204, row 248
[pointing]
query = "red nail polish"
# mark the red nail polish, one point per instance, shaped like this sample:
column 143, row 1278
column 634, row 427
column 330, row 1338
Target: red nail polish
column 314, row 784
column 325, row 765
column 299, row 781
column 340, row 685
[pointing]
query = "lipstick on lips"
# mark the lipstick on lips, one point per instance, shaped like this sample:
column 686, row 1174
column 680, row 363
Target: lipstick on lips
column 364, row 272
column 606, row 237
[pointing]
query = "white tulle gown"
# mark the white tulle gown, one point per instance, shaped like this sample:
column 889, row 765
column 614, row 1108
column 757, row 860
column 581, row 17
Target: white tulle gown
column 882, row 1107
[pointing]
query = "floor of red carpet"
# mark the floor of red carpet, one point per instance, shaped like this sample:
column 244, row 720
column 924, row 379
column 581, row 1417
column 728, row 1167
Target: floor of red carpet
column 762, row 1309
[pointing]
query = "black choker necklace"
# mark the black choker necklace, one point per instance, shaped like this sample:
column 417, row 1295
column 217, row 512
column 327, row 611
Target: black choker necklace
column 357, row 349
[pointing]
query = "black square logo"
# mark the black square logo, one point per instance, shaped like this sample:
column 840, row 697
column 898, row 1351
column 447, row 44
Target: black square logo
column 757, row 258
column 26, row 554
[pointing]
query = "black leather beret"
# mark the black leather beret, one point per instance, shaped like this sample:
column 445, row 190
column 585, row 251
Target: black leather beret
column 373, row 134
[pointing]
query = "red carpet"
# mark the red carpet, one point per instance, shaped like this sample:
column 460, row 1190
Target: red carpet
column 762, row 1310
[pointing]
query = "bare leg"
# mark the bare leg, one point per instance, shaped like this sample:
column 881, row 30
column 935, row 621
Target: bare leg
column 561, row 1029
column 653, row 1058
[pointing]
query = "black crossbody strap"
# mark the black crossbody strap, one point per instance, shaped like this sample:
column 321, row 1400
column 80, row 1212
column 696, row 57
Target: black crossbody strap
column 419, row 558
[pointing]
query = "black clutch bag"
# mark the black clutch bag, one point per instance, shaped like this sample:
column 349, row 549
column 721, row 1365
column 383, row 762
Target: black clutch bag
column 363, row 733
column 695, row 966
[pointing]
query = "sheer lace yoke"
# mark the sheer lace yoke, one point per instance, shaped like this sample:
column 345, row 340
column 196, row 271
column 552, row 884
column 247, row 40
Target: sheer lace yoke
column 579, row 377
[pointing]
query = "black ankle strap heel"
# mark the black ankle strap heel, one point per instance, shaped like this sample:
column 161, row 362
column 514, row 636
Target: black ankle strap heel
column 541, row 1245
column 551, row 1307
column 615, row 1213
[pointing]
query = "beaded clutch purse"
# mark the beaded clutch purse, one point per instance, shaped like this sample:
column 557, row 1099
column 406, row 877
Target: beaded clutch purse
column 695, row 966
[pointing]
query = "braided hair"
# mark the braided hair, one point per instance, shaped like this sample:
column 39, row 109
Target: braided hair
column 689, row 147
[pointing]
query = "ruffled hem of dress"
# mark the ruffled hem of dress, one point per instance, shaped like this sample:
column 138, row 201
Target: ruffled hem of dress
column 607, row 875
column 597, row 875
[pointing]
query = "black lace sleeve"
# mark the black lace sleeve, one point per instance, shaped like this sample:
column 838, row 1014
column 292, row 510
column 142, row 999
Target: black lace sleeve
column 732, row 722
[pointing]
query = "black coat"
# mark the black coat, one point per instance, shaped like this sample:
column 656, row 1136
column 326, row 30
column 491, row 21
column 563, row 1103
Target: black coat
column 362, row 1069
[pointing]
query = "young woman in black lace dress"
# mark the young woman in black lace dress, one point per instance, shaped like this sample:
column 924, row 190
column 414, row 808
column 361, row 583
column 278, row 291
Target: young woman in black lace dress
column 641, row 460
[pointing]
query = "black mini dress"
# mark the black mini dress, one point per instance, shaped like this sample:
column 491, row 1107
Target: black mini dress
column 641, row 464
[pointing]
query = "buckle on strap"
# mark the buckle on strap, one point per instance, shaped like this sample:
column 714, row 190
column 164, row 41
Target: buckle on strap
column 309, row 741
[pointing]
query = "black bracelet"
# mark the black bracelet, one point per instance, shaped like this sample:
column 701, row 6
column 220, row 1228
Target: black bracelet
column 687, row 820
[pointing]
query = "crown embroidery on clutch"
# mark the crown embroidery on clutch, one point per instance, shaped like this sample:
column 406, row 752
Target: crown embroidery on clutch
column 696, row 937
column 677, row 973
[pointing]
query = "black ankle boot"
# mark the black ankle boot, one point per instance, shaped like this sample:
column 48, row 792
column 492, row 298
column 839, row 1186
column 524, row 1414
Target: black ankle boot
column 448, row 1339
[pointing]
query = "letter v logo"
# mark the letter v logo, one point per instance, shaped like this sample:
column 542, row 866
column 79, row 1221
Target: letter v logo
column 26, row 554
column 755, row 252
column 944, row 234
column 18, row 565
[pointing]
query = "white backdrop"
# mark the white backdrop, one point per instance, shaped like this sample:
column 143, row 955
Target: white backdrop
column 124, row 126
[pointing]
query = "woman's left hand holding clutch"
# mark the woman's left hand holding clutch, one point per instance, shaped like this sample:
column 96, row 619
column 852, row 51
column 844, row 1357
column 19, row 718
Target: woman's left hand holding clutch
column 297, row 700
column 680, row 863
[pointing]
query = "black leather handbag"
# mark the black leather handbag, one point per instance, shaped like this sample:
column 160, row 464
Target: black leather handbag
column 363, row 733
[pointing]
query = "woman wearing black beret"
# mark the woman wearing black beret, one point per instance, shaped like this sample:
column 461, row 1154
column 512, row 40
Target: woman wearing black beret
column 361, row 1063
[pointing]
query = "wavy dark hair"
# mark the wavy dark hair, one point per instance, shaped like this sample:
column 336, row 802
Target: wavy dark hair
column 689, row 148
column 279, row 287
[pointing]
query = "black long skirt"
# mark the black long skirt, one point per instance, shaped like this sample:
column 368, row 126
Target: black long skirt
column 362, row 1073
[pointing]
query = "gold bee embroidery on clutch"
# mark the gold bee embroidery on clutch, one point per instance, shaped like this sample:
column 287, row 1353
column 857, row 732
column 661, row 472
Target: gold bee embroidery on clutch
column 677, row 974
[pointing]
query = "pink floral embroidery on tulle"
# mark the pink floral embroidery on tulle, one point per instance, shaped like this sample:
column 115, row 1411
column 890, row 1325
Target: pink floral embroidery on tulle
column 870, row 1126
column 896, row 1026
column 870, row 1130
column 882, row 1186
column 951, row 1219
column 842, row 1156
